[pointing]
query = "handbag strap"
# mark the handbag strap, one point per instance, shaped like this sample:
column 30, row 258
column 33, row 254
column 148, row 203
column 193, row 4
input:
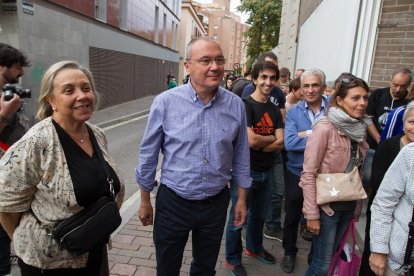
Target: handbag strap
column 102, row 160
column 336, row 256
column 351, row 226
column 410, row 241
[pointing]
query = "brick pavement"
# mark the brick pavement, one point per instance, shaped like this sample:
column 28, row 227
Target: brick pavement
column 133, row 254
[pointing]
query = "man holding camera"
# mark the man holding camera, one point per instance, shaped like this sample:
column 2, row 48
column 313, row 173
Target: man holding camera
column 12, row 126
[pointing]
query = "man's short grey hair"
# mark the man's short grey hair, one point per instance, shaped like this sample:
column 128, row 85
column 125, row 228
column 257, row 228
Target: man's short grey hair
column 408, row 109
column 194, row 40
column 404, row 71
column 314, row 72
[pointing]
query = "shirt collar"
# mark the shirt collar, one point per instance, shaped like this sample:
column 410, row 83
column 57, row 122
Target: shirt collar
column 194, row 96
column 322, row 107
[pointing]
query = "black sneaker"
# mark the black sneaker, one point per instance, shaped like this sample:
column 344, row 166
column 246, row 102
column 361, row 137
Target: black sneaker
column 288, row 263
column 236, row 270
column 274, row 235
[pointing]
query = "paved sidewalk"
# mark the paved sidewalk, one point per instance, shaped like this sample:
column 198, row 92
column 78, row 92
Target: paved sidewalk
column 122, row 112
column 133, row 252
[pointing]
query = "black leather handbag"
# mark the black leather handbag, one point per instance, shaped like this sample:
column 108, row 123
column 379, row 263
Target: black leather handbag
column 408, row 266
column 92, row 226
column 89, row 228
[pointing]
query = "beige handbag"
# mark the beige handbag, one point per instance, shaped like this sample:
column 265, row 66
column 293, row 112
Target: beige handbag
column 331, row 187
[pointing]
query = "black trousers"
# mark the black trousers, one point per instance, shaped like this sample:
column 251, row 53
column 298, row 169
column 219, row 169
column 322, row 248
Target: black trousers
column 365, row 269
column 293, row 212
column 175, row 217
column 5, row 264
column 97, row 265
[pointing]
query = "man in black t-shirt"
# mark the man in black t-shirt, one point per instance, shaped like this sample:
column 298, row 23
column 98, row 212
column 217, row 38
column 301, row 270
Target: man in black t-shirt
column 265, row 134
column 383, row 100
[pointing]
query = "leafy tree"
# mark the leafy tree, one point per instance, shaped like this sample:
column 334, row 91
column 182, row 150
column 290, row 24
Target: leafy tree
column 263, row 35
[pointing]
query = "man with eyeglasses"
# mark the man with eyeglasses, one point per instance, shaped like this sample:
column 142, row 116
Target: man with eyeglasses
column 383, row 100
column 200, row 128
column 298, row 127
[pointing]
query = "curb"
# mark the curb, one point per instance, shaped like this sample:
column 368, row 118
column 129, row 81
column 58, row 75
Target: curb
column 122, row 119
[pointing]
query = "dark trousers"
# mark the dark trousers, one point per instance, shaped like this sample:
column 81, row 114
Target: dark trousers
column 4, row 252
column 365, row 269
column 293, row 212
column 97, row 265
column 175, row 217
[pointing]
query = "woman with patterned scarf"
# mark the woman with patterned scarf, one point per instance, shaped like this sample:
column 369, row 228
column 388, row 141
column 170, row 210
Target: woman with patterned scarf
column 336, row 145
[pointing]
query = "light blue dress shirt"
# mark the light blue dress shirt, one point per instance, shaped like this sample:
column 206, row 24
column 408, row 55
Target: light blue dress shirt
column 204, row 146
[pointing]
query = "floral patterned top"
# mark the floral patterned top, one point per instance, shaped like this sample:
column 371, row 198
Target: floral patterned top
column 35, row 180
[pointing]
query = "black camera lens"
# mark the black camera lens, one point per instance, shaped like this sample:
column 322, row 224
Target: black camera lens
column 8, row 91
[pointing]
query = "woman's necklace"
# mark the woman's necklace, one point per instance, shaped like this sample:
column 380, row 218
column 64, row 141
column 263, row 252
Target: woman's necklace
column 82, row 140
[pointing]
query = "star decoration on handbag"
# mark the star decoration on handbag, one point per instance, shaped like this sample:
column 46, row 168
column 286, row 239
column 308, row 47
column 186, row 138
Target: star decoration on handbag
column 334, row 192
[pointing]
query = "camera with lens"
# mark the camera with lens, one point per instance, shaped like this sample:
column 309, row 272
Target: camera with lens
column 9, row 89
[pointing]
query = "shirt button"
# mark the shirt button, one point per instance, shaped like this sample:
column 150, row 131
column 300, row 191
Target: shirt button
column 205, row 161
column 204, row 178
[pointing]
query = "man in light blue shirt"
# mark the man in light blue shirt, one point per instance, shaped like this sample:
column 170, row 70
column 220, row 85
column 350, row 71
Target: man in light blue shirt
column 200, row 128
column 298, row 127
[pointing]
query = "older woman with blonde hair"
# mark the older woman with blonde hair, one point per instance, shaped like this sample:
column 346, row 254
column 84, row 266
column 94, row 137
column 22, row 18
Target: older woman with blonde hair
column 54, row 172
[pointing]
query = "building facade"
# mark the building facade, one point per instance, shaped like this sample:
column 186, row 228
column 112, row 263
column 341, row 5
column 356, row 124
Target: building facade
column 225, row 27
column 191, row 26
column 367, row 38
column 130, row 46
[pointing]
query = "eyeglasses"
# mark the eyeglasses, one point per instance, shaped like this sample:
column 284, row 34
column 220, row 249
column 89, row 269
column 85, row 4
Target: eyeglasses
column 205, row 61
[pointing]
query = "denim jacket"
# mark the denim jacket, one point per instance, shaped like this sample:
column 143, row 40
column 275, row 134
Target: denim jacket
column 297, row 120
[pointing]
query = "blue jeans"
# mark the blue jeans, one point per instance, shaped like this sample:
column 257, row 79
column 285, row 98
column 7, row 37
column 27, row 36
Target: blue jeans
column 273, row 221
column 325, row 245
column 258, row 198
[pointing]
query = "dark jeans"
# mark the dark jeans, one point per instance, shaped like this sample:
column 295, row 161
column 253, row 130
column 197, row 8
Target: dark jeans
column 258, row 198
column 4, row 252
column 175, row 217
column 273, row 219
column 293, row 212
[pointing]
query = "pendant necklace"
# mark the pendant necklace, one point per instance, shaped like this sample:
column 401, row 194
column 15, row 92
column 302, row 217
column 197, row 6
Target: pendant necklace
column 82, row 140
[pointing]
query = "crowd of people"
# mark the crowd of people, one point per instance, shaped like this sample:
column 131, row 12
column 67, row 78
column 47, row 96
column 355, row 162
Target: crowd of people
column 254, row 141
column 297, row 129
